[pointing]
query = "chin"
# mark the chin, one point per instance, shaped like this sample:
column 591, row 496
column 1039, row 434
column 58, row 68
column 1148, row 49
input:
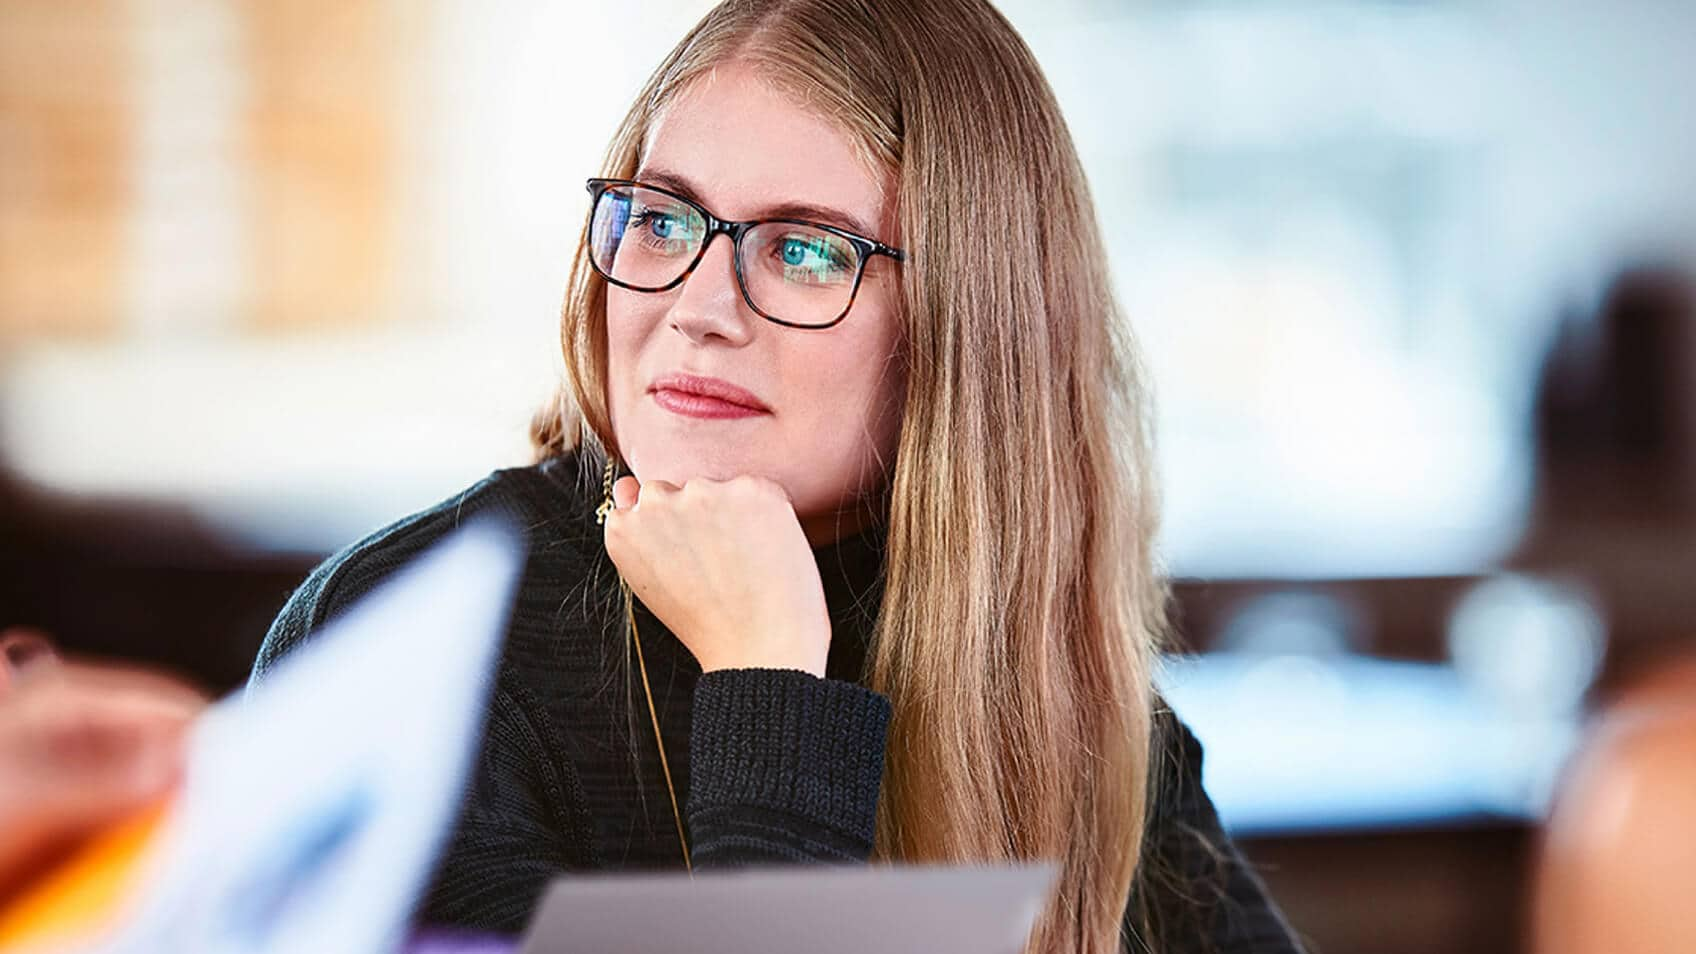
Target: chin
column 674, row 464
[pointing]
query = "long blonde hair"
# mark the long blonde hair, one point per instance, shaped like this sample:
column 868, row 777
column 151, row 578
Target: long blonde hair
column 1022, row 602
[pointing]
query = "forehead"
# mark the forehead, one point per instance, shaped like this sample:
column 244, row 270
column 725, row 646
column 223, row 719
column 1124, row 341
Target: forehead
column 747, row 145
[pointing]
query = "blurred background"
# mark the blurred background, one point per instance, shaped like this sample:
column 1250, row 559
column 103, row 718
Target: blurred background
column 1412, row 279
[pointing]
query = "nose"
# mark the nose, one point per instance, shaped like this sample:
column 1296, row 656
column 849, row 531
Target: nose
column 710, row 303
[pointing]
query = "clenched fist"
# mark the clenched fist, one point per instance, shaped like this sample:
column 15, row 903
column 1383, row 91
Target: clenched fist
column 725, row 566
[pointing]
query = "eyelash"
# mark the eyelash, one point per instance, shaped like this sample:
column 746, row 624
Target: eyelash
column 836, row 260
column 642, row 218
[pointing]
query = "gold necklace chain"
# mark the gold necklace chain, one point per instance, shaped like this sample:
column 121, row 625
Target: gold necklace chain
column 630, row 617
column 642, row 665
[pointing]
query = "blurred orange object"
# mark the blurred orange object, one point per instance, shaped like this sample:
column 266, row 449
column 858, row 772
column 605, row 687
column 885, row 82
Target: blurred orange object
column 80, row 896
column 1617, row 871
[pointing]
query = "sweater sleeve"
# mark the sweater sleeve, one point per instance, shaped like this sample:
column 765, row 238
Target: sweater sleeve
column 1195, row 892
column 785, row 767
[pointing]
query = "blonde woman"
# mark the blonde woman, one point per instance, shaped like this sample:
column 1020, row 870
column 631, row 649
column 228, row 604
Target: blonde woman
column 841, row 528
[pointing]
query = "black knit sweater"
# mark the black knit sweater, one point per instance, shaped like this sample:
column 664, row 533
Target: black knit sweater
column 770, row 765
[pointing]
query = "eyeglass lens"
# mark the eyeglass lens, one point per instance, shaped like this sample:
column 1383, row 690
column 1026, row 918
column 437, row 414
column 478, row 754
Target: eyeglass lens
column 647, row 240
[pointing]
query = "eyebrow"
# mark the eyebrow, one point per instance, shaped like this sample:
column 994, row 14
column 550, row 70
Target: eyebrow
column 782, row 210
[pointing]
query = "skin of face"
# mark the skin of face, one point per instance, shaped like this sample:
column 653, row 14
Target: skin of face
column 742, row 149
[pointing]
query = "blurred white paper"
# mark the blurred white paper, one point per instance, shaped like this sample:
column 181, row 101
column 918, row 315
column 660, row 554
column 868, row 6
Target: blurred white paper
column 829, row 909
column 314, row 807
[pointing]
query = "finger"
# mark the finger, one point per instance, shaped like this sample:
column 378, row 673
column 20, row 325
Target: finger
column 86, row 744
column 769, row 486
column 23, row 651
column 653, row 488
column 127, row 686
column 68, row 792
column 75, row 718
column 100, row 745
column 21, row 645
column 625, row 492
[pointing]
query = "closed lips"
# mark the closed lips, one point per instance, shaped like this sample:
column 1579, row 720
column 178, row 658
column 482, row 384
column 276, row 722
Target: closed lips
column 709, row 387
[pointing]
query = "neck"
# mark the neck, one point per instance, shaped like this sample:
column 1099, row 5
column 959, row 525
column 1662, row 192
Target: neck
column 824, row 529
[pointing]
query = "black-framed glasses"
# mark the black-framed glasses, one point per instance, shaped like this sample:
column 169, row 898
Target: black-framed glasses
column 790, row 271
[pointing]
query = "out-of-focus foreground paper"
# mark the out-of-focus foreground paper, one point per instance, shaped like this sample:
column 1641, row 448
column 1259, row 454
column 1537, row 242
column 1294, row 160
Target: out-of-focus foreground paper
column 893, row 909
column 314, row 806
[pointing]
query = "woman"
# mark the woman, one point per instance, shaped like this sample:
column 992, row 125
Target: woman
column 876, row 475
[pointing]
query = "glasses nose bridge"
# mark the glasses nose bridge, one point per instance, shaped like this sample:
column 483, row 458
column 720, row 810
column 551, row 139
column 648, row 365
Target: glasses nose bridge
column 734, row 230
column 717, row 226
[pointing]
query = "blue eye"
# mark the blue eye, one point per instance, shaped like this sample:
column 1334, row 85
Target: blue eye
column 664, row 232
column 822, row 257
column 660, row 224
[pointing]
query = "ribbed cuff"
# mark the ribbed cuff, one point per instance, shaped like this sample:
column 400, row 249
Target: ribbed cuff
column 786, row 740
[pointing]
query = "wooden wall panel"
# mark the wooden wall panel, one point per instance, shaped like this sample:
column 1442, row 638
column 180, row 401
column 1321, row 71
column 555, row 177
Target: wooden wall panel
column 322, row 133
column 94, row 148
column 65, row 147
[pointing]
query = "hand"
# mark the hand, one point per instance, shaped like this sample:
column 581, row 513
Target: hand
column 23, row 650
column 81, row 746
column 725, row 566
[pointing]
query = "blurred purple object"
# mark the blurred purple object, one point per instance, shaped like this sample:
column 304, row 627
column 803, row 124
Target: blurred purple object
column 448, row 942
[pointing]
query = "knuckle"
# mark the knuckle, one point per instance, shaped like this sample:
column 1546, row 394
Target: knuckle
column 766, row 489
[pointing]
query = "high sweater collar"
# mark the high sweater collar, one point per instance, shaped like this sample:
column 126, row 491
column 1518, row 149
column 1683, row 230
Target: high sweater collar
column 852, row 571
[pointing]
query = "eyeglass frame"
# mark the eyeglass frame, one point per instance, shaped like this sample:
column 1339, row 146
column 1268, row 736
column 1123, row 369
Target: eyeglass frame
column 865, row 247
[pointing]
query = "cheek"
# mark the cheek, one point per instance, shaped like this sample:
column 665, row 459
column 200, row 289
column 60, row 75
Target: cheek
column 632, row 319
column 855, row 381
column 885, row 371
column 628, row 325
column 624, row 336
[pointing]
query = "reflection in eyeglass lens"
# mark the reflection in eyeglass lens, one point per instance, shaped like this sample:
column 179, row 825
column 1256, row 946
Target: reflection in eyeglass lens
column 790, row 271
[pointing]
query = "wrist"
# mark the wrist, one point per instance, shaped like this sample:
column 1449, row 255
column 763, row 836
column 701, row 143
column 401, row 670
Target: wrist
column 767, row 661
column 808, row 653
